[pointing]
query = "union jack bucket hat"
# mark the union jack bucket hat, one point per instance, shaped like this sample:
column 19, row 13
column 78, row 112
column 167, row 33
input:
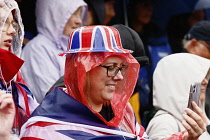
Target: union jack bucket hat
column 97, row 38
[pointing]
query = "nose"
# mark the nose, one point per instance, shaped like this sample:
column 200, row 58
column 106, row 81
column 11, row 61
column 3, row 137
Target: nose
column 11, row 31
column 204, row 82
column 118, row 77
column 78, row 20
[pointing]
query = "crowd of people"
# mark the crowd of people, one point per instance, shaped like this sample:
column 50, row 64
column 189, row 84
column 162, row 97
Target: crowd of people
column 78, row 75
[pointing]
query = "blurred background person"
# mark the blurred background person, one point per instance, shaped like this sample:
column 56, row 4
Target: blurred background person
column 156, row 47
column 55, row 21
column 100, row 12
column 197, row 41
column 179, row 25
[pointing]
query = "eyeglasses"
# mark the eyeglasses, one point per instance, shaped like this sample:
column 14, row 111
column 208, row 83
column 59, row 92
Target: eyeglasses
column 7, row 25
column 113, row 70
column 205, row 44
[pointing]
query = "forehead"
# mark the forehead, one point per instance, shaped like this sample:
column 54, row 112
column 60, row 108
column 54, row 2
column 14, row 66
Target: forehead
column 114, row 59
column 10, row 16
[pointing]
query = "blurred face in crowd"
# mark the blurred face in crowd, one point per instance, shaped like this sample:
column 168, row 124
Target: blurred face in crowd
column 109, row 11
column 7, row 33
column 144, row 12
column 204, row 84
column 74, row 22
column 199, row 47
column 90, row 18
column 99, row 87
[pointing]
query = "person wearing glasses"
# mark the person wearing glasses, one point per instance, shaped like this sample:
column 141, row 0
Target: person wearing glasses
column 16, row 100
column 197, row 40
column 100, row 76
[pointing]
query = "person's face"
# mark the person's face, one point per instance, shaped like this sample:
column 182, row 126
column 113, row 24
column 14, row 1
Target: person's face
column 74, row 22
column 144, row 12
column 203, row 49
column 109, row 11
column 200, row 48
column 204, row 84
column 99, row 88
column 7, row 33
column 90, row 18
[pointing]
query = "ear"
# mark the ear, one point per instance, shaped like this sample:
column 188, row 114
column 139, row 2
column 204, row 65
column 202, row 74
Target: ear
column 193, row 46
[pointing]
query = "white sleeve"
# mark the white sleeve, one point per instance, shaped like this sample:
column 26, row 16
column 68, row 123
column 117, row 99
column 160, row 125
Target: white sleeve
column 162, row 126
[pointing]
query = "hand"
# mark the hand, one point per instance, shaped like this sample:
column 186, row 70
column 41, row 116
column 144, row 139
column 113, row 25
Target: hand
column 194, row 122
column 7, row 114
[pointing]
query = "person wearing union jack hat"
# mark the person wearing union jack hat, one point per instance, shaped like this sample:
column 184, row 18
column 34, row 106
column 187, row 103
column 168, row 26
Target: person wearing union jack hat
column 100, row 76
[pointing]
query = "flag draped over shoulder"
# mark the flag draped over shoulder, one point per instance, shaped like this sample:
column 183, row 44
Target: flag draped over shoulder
column 61, row 117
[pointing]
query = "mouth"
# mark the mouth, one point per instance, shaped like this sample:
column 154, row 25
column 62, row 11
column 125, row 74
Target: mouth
column 111, row 86
column 203, row 89
column 8, row 42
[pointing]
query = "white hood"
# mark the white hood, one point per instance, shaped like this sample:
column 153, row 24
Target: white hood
column 7, row 6
column 172, row 79
column 52, row 25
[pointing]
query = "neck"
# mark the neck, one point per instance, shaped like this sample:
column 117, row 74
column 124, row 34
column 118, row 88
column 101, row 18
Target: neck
column 96, row 107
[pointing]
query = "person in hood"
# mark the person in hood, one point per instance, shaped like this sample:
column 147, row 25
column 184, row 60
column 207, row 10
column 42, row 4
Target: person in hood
column 100, row 76
column 20, row 103
column 172, row 79
column 55, row 21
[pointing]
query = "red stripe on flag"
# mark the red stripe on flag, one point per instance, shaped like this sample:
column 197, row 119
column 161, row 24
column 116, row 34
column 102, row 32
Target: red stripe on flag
column 86, row 39
column 43, row 124
column 25, row 98
column 30, row 138
column 142, row 130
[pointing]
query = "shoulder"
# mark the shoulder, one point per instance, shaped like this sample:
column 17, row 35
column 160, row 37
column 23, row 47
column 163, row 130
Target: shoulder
column 38, row 44
column 162, row 125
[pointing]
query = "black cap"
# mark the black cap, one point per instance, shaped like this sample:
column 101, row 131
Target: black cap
column 131, row 40
column 200, row 31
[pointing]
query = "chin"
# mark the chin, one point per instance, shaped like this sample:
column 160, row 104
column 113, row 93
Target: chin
column 4, row 48
column 108, row 96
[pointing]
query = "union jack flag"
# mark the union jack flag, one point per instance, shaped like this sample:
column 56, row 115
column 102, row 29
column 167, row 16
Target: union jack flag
column 61, row 117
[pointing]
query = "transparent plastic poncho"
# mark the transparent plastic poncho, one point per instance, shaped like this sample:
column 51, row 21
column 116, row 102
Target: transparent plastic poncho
column 76, row 68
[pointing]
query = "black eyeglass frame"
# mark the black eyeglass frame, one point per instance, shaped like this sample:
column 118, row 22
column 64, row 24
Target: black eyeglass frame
column 117, row 70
